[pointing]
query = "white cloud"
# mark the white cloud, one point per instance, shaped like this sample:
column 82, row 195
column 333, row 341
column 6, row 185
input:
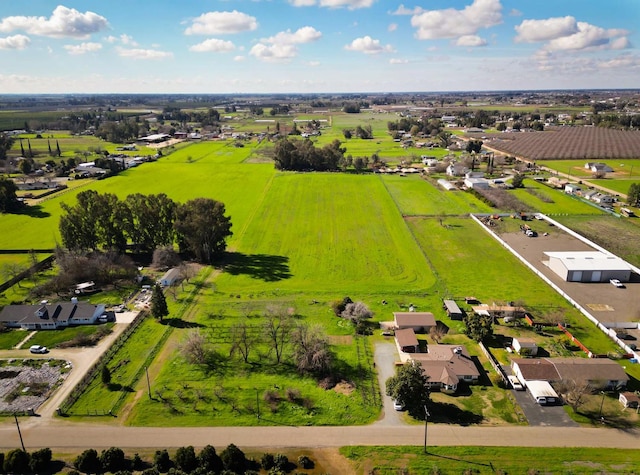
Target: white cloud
column 63, row 23
column 515, row 12
column 222, row 23
column 567, row 34
column 143, row 53
column 306, row 34
column 281, row 47
column 452, row 23
column 273, row 52
column 398, row 61
column 623, row 61
column 534, row 31
column 313, row 64
column 111, row 39
column 402, row 10
column 471, row 40
column 350, row 4
column 213, row 45
column 239, row 58
column 83, row 48
column 15, row 42
column 127, row 40
column 392, row 27
column 368, row 45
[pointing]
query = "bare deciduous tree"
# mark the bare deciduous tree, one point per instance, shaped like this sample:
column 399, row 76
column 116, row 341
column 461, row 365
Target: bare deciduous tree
column 278, row 327
column 438, row 332
column 311, row 350
column 195, row 348
column 575, row 392
column 243, row 339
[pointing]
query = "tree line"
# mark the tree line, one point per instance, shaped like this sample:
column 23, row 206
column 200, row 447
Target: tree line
column 145, row 222
column 302, row 155
column 231, row 460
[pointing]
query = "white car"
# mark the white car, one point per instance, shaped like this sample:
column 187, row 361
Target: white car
column 38, row 349
column 397, row 406
column 617, row 283
column 515, row 383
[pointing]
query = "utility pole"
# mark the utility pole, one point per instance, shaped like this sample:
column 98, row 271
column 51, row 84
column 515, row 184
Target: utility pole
column 19, row 433
column 146, row 370
column 426, row 420
column 258, row 403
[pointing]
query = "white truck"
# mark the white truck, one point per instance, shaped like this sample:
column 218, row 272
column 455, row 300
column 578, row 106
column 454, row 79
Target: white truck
column 542, row 392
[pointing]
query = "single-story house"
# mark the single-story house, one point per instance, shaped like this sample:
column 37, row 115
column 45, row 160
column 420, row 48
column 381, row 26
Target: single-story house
column 417, row 321
column 557, row 182
column 598, row 167
column 599, row 372
column 50, row 316
column 407, row 341
column 588, row 266
column 629, row 399
column 456, row 169
column 603, row 198
column 446, row 366
column 453, row 311
column 524, row 346
column 170, row 277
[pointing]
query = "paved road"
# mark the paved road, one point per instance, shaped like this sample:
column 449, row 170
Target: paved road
column 66, row 435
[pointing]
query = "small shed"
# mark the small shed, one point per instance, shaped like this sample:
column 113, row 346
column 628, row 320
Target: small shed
column 170, row 277
column 452, row 309
column 525, row 346
column 629, row 399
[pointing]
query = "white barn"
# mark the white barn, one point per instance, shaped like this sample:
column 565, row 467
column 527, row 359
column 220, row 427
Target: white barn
column 588, row 266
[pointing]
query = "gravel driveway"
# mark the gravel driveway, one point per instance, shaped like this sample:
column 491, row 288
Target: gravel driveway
column 385, row 356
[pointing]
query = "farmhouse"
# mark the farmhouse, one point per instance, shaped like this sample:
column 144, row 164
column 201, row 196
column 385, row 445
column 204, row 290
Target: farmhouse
column 446, row 366
column 588, row 266
column 525, row 346
column 598, row 167
column 417, row 321
column 601, row 373
column 572, row 188
column 456, row 169
column 50, row 316
column 557, row 182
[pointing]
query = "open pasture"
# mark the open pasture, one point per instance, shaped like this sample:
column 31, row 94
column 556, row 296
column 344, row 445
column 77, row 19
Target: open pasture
column 321, row 232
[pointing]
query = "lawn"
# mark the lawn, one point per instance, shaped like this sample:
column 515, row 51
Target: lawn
column 491, row 460
column 10, row 338
column 54, row 338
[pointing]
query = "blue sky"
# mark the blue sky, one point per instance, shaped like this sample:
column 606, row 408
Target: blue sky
column 317, row 46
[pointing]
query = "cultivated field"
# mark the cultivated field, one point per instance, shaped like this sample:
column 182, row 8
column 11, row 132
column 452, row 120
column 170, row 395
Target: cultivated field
column 583, row 143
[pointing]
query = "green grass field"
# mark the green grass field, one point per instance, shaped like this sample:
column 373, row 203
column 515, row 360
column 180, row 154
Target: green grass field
column 491, row 460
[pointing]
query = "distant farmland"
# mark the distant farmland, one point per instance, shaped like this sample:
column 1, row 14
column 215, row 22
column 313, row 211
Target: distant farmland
column 584, row 143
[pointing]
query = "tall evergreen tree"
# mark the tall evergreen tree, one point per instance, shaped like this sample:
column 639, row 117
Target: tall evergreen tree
column 159, row 307
column 58, row 148
column 30, row 151
column 21, row 148
column 49, row 145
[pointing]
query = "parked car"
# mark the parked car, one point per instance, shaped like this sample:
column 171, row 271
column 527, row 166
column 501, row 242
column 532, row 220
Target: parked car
column 397, row 406
column 515, row 383
column 38, row 349
column 616, row 283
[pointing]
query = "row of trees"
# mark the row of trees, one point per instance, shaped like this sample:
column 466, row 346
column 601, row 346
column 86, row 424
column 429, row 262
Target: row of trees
column 302, row 155
column 147, row 222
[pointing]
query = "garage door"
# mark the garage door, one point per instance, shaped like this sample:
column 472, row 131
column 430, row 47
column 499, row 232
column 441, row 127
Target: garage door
column 576, row 276
column 596, row 276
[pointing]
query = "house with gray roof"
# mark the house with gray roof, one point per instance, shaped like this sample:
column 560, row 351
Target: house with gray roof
column 47, row 316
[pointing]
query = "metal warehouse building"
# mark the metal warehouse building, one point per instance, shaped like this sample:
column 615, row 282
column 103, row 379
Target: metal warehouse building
column 588, row 266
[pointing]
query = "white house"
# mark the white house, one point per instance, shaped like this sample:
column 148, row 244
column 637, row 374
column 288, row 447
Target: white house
column 456, row 169
column 47, row 316
column 476, row 183
column 572, row 188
